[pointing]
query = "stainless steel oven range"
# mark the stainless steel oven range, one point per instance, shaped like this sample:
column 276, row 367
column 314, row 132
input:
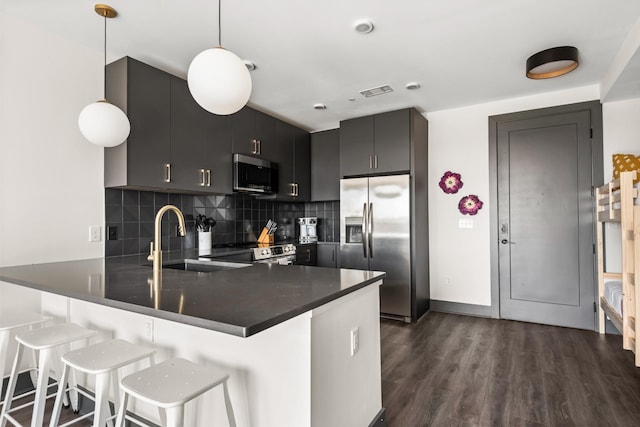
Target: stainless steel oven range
column 278, row 254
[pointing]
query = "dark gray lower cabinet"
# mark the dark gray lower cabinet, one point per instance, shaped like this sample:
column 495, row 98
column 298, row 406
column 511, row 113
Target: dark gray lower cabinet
column 328, row 254
column 306, row 254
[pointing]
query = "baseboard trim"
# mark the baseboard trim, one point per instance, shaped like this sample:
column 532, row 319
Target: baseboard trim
column 460, row 308
column 380, row 420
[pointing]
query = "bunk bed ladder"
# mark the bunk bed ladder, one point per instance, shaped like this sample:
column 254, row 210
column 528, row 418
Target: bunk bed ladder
column 636, row 274
column 628, row 287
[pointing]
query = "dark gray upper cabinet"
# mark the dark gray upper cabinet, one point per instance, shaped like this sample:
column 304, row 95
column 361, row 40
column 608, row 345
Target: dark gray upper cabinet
column 254, row 134
column 378, row 144
column 144, row 94
column 189, row 170
column 293, row 158
column 302, row 164
column 356, row 146
column 218, row 137
column 325, row 165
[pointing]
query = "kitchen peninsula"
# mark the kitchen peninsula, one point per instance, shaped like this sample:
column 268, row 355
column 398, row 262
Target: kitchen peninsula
column 283, row 332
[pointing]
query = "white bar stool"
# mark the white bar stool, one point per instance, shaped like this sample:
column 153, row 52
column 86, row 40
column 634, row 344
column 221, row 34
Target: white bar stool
column 45, row 341
column 10, row 321
column 102, row 360
column 169, row 385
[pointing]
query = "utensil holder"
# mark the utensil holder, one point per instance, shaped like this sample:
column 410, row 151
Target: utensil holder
column 204, row 242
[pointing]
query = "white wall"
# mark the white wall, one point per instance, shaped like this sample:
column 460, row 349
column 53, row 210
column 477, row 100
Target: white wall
column 458, row 141
column 51, row 179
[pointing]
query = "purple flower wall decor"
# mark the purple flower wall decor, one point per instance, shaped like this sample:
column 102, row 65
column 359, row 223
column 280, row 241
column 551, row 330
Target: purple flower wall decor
column 451, row 182
column 469, row 205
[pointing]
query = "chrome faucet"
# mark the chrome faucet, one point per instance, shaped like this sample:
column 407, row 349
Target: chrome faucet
column 155, row 254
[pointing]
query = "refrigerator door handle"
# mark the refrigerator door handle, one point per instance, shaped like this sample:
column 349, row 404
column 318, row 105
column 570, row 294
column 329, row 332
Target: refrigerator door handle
column 370, row 230
column 365, row 225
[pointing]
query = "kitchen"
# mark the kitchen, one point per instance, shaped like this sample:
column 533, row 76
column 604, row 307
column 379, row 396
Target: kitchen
column 52, row 181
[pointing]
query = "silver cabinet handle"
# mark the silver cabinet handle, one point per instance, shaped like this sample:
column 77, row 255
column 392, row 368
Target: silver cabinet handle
column 208, row 177
column 259, row 147
column 167, row 172
column 292, row 193
column 255, row 146
column 370, row 161
column 202, row 181
column 297, row 189
column 370, row 230
column 375, row 161
column 365, row 235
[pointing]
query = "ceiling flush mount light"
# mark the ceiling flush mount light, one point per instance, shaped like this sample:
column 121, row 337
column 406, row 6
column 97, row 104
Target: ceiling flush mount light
column 319, row 106
column 102, row 123
column 363, row 26
column 553, row 62
column 412, row 86
column 218, row 80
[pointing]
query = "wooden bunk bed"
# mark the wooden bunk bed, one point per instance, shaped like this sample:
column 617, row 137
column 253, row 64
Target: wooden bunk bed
column 619, row 292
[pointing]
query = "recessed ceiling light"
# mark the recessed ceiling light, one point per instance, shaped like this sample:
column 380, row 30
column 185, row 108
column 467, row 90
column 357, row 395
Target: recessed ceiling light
column 413, row 85
column 250, row 65
column 363, row 26
column 351, row 99
column 319, row 106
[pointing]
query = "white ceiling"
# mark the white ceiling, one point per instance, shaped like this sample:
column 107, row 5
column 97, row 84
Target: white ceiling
column 462, row 52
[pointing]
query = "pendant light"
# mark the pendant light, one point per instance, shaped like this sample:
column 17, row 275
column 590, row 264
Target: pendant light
column 218, row 80
column 102, row 123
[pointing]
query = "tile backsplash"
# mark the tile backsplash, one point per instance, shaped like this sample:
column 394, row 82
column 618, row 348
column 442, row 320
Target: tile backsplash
column 239, row 217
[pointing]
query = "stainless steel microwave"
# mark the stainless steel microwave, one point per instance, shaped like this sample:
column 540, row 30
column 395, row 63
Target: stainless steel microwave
column 252, row 174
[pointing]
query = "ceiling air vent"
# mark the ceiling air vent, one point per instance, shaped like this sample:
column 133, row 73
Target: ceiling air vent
column 381, row 90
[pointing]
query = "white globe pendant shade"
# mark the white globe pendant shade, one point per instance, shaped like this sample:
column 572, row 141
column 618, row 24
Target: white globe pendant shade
column 219, row 81
column 104, row 124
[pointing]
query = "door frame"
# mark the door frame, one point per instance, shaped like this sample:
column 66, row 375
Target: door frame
column 595, row 110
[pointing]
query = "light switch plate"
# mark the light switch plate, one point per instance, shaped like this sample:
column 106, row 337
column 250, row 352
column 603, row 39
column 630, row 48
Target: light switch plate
column 465, row 223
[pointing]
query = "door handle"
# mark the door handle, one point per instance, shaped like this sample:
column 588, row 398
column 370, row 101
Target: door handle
column 370, row 230
column 365, row 238
column 202, row 178
column 505, row 242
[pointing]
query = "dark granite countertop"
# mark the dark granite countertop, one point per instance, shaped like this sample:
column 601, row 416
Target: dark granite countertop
column 239, row 301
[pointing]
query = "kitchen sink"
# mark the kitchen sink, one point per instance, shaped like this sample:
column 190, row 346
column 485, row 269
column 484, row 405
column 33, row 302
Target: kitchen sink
column 205, row 266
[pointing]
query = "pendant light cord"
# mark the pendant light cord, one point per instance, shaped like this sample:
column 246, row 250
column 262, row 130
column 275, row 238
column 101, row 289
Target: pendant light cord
column 104, row 69
column 219, row 24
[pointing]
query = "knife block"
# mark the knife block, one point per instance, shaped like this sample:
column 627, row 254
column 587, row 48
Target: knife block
column 265, row 238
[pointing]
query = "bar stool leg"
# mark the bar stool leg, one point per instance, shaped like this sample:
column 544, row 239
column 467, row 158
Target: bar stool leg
column 174, row 416
column 11, row 387
column 57, row 407
column 227, row 403
column 41, row 389
column 102, row 400
column 4, row 348
column 124, row 397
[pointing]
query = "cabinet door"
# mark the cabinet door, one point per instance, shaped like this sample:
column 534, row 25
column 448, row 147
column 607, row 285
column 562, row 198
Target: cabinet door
column 265, row 133
column 356, row 146
column 218, row 137
column 306, row 254
column 325, row 165
column 327, row 255
column 301, row 164
column 285, row 134
column 392, row 143
column 187, row 135
column 149, row 111
column 244, row 131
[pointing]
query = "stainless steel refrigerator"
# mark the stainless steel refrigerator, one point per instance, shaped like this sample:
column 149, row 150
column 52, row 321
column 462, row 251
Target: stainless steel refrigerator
column 379, row 231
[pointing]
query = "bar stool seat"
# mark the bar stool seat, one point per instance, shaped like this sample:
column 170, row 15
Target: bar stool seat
column 45, row 341
column 10, row 321
column 102, row 360
column 169, row 385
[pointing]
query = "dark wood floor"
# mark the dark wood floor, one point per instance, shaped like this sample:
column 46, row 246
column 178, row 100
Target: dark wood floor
column 23, row 416
column 450, row 370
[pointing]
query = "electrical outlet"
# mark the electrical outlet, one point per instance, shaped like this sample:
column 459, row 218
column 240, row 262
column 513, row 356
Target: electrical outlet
column 355, row 341
column 95, row 233
column 148, row 329
column 465, row 223
column 112, row 232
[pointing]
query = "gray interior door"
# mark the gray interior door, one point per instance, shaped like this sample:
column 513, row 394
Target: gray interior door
column 546, row 262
